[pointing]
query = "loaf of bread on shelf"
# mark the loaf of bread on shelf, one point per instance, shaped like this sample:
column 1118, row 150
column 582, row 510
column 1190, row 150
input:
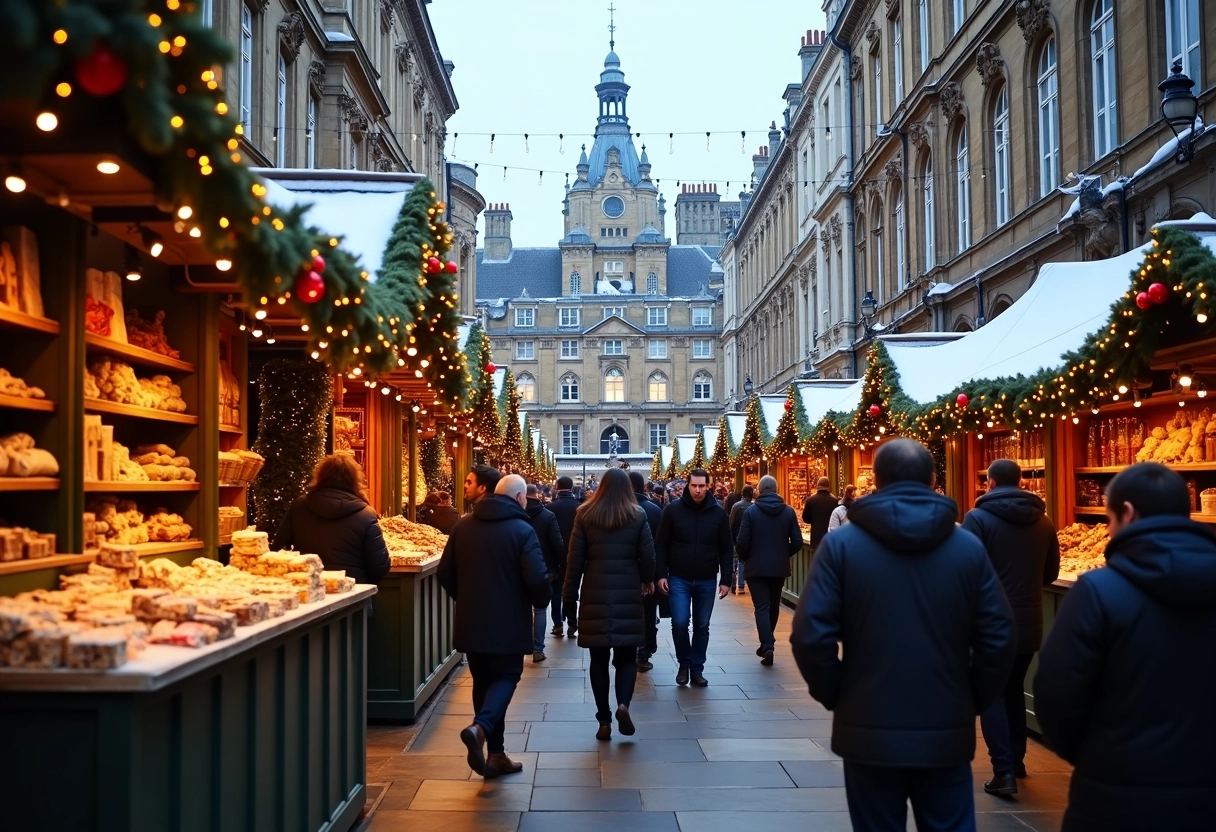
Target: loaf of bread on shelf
column 19, row 457
column 11, row 385
column 122, row 467
column 149, row 334
column 165, row 526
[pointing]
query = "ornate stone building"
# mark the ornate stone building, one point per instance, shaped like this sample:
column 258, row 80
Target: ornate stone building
column 615, row 329
column 465, row 204
column 983, row 140
column 702, row 218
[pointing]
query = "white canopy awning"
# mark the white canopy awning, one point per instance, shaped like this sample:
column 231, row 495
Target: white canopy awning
column 819, row 399
column 736, row 423
column 665, row 453
column 687, row 444
column 772, row 408
column 710, row 434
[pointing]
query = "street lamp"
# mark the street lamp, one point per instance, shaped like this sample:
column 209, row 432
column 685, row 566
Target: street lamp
column 748, row 387
column 869, row 308
column 1179, row 108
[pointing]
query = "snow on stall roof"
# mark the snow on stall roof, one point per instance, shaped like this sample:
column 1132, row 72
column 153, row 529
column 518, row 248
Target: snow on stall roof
column 363, row 214
column 819, row 399
column 499, row 378
column 665, row 456
column 773, row 408
column 710, row 434
column 736, row 423
column 687, row 444
column 1067, row 303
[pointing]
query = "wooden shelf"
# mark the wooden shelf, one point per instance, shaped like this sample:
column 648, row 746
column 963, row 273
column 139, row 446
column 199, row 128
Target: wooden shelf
column 14, row 567
column 136, row 355
column 12, row 319
column 233, row 485
column 237, row 429
column 224, row 540
column 22, row 403
column 29, row 483
column 149, row 549
column 1203, row 518
column 1089, row 510
column 121, row 486
column 104, row 406
column 1114, row 469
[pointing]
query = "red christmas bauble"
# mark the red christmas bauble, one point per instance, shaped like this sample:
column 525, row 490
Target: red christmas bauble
column 101, row 72
column 875, row 410
column 789, row 405
column 434, row 265
column 452, row 267
column 310, row 288
column 1158, row 292
column 963, row 400
column 491, row 368
column 318, row 264
column 1143, row 300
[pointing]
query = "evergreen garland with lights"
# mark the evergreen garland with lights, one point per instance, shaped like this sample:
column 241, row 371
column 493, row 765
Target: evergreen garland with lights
column 149, row 69
column 673, row 468
column 656, row 465
column 724, row 450
column 295, row 396
column 436, row 467
column 512, row 449
column 786, row 441
column 751, row 446
column 698, row 452
column 487, row 420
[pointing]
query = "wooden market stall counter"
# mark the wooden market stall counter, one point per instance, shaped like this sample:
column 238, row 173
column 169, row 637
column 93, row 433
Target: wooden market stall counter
column 800, row 567
column 410, row 649
column 266, row 730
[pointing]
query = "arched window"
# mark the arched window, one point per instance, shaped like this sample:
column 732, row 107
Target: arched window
column 962, row 161
column 878, row 113
column 702, row 387
column 922, row 18
column 1105, row 74
column 576, row 283
column 525, row 386
column 652, row 284
column 656, row 388
column 1049, row 119
column 880, row 268
column 1000, row 152
column 901, row 241
column 1182, row 32
column 568, row 389
column 930, row 226
column 614, row 385
column 622, row 440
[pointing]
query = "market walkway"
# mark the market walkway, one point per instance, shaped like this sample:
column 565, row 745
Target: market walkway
column 751, row 747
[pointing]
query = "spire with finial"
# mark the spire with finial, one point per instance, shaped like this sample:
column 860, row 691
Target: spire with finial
column 611, row 27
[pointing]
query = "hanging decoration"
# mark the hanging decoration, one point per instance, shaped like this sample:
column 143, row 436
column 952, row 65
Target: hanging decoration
column 101, row 72
column 962, row 400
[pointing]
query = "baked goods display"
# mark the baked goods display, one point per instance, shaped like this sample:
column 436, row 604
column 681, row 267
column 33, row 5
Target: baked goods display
column 1183, row 439
column 163, row 464
column 20, row 277
column 411, row 544
column 1082, row 547
column 150, row 335
column 115, row 381
column 119, row 520
column 239, row 467
column 19, row 543
column 11, row 385
column 19, row 457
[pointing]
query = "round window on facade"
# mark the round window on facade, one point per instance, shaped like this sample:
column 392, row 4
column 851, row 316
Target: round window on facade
column 613, row 207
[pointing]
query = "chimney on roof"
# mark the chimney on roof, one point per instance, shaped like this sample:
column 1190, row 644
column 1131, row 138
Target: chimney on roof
column 498, row 231
column 812, row 45
column 774, row 139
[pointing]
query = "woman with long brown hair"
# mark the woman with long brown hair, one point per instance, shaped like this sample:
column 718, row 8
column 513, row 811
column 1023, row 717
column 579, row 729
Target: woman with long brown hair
column 334, row 520
column 611, row 558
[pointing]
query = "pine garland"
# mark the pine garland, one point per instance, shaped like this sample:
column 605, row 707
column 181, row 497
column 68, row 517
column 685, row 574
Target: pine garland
column 751, row 446
column 724, row 452
column 698, row 453
column 512, row 450
column 487, row 422
column 295, row 397
column 786, row 441
column 673, row 468
column 436, row 467
column 656, row 464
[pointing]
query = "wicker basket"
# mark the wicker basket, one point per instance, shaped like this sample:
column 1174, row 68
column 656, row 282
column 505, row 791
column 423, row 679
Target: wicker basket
column 251, row 463
column 1207, row 501
column 230, row 467
column 231, row 519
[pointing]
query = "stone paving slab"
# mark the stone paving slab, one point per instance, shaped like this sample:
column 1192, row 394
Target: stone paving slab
column 469, row 796
column 683, row 777
column 581, row 799
column 599, row 822
column 734, row 821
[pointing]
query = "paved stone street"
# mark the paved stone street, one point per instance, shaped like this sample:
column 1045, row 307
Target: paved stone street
column 752, row 747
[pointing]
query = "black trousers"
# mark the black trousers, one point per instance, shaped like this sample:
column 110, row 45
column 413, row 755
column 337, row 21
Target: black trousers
column 555, row 602
column 650, row 623
column 495, row 676
column 942, row 798
column 1003, row 723
column 766, row 598
column 624, row 660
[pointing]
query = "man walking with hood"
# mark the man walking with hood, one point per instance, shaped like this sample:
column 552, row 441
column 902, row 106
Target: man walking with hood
column 563, row 506
column 1127, row 676
column 902, row 631
column 1021, row 542
column 493, row 569
column 650, row 604
column 553, row 548
column 769, row 535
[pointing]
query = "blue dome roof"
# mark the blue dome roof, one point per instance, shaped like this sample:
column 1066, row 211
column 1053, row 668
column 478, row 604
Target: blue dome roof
column 612, row 60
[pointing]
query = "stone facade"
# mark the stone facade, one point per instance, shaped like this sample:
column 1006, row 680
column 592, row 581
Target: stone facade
column 465, row 204
column 980, row 148
column 702, row 218
column 615, row 328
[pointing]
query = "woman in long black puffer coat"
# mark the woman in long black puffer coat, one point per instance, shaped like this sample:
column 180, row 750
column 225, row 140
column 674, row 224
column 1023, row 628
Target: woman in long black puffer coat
column 612, row 558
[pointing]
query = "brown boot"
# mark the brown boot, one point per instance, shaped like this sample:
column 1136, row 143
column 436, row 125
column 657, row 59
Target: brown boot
column 499, row 763
column 474, row 740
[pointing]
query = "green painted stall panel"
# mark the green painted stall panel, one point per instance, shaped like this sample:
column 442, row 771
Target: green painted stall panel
column 800, row 568
column 1053, row 597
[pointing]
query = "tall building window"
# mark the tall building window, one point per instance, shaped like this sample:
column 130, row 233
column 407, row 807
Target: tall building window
column 701, row 316
column 246, row 88
column 525, row 317
column 609, row 311
column 657, row 348
column 656, row 316
column 1000, row 141
column 878, row 113
column 614, row 385
column 568, row 389
column 962, row 157
column 613, row 346
column 880, row 276
column 702, row 387
column 568, row 316
column 652, row 284
column 614, row 268
column 929, row 223
column 922, row 15
column 656, row 388
column 576, row 283
column 1182, row 37
column 901, row 244
column 702, row 348
column 658, row 435
column 1049, row 119
column 622, row 440
column 960, row 13
column 525, row 386
column 569, row 349
column 525, row 350
column 1104, row 69
column 570, row 439
column 310, row 133
column 897, row 58
column 280, row 113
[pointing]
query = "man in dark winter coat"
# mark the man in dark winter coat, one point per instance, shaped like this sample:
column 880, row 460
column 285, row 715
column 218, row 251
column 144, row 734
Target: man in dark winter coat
column 927, row 643
column 342, row 528
column 493, row 568
column 1022, row 545
column 443, row 515
column 563, row 505
column 769, row 535
column 650, row 604
column 693, row 548
column 553, row 547
column 735, row 513
column 1127, row 675
column 817, row 511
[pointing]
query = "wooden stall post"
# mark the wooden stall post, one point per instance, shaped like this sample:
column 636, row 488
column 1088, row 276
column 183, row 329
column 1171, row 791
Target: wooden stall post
column 411, row 437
